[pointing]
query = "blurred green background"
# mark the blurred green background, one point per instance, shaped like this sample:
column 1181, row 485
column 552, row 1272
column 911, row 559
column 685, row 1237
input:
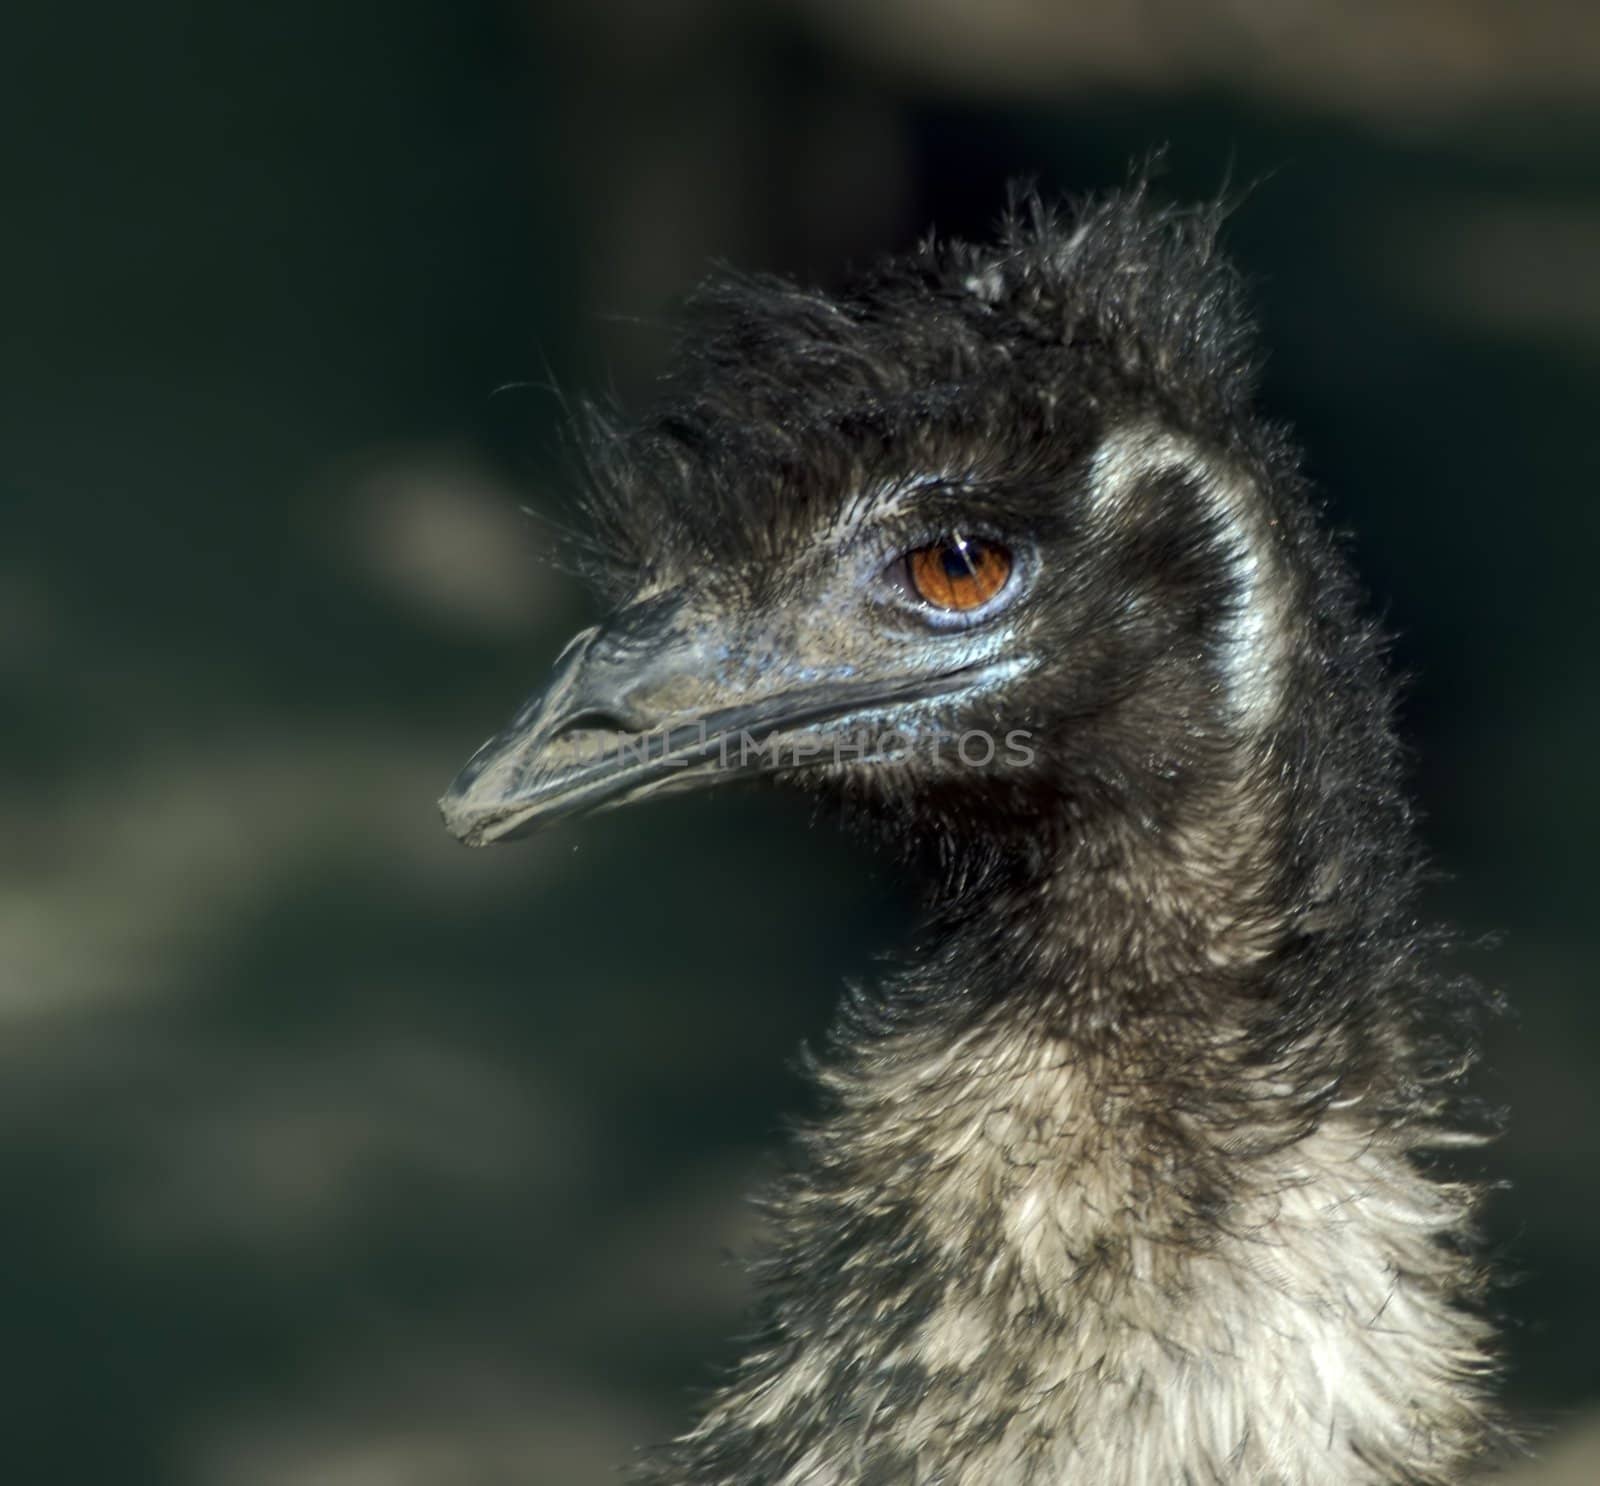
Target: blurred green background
column 334, row 1154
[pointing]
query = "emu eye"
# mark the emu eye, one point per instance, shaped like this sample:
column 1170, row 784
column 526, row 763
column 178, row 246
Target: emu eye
column 958, row 573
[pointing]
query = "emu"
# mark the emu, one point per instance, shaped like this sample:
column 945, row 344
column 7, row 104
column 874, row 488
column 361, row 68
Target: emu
column 1125, row 1174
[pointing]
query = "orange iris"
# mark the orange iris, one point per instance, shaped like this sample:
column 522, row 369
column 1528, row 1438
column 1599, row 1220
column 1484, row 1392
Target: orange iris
column 959, row 572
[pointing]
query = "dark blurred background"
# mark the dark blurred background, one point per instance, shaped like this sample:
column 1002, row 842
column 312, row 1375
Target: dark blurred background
column 336, row 1155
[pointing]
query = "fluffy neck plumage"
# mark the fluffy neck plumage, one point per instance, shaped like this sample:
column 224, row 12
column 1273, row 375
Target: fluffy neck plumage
column 1103, row 1211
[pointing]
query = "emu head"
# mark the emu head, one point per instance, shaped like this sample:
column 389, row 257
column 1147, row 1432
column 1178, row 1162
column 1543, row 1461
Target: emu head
column 987, row 543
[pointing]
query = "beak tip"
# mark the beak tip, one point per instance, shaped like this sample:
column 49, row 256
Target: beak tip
column 460, row 819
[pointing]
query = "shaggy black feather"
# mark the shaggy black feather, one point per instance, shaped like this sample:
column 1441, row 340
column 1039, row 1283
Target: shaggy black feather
column 785, row 397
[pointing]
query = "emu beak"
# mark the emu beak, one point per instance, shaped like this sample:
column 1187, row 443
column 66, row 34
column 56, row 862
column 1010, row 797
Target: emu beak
column 647, row 703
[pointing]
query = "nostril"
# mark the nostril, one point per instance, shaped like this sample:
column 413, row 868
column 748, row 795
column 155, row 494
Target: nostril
column 610, row 717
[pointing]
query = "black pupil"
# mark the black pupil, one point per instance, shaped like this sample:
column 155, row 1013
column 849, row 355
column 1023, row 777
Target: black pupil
column 957, row 561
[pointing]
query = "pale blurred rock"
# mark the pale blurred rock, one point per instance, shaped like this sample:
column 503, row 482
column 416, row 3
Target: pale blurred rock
column 130, row 881
column 1570, row 1457
column 475, row 1421
column 293, row 1155
column 440, row 535
column 1511, row 267
column 1396, row 62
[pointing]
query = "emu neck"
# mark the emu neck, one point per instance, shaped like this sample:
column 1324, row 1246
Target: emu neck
column 1065, row 1228
column 1125, row 913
